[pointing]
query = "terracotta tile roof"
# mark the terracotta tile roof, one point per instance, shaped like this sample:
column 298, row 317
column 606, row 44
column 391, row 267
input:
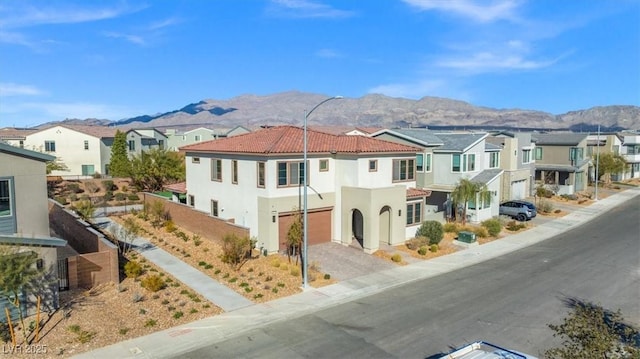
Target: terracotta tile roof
column 417, row 192
column 180, row 187
column 289, row 139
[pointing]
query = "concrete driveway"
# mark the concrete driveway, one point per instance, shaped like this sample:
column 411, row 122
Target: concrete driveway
column 343, row 262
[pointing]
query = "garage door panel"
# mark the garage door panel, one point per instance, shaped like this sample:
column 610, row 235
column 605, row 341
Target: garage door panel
column 319, row 230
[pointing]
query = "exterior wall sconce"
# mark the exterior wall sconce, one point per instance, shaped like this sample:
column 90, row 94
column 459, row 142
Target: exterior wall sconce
column 273, row 216
column 399, row 213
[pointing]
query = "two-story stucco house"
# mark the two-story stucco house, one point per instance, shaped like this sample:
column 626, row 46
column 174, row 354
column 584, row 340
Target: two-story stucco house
column 360, row 189
column 631, row 152
column 24, row 216
column 516, row 161
column 85, row 150
column 561, row 161
column 445, row 159
column 600, row 143
column 14, row 136
column 177, row 139
column 139, row 140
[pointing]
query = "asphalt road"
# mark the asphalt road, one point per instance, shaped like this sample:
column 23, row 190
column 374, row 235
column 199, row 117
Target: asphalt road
column 507, row 301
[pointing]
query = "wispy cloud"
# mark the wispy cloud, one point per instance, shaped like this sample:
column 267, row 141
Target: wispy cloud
column 474, row 10
column 305, row 9
column 328, row 53
column 11, row 89
column 134, row 39
column 144, row 35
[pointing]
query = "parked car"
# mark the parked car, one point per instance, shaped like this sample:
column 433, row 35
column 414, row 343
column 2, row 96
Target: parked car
column 520, row 210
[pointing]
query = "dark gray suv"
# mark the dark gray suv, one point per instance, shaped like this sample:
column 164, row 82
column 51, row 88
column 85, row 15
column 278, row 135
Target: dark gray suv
column 517, row 209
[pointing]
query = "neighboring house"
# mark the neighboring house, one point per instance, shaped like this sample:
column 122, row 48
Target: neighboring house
column 24, row 218
column 361, row 189
column 516, row 161
column 603, row 143
column 14, row 136
column 85, row 150
column 347, row 130
column 445, row 159
column 139, row 140
column 177, row 139
column 631, row 152
column 561, row 161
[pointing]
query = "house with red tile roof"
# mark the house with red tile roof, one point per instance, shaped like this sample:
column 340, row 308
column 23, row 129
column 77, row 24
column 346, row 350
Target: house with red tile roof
column 361, row 190
column 85, row 150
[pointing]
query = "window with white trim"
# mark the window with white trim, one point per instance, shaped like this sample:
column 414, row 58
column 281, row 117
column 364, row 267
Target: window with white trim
column 526, row 155
column 49, row 146
column 538, row 153
column 427, row 162
column 420, row 162
column 86, row 144
column 291, row 174
column 403, row 170
column 494, row 159
column 216, row 169
column 463, row 163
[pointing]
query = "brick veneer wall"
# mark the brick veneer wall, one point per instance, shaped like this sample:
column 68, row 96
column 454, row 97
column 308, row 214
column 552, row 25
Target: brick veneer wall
column 196, row 221
column 97, row 262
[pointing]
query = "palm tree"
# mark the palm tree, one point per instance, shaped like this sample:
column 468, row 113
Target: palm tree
column 466, row 191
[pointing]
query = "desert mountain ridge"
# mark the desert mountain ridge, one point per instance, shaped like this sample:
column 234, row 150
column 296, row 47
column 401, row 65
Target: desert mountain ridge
column 373, row 110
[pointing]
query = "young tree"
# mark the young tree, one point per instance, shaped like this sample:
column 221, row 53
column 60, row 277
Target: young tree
column 56, row 165
column 294, row 237
column 153, row 169
column 19, row 278
column 465, row 192
column 120, row 165
column 609, row 164
column 127, row 233
column 589, row 331
column 86, row 210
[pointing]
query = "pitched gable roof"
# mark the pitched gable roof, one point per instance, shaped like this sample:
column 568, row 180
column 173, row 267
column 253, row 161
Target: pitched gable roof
column 458, row 142
column 559, row 139
column 95, row 131
column 289, row 140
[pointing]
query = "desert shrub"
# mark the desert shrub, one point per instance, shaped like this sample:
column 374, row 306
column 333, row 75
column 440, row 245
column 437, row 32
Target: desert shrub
column 133, row 197
column 258, row 296
column 62, row 200
column 109, row 185
column 120, row 196
column 235, row 249
column 169, row 226
column 248, row 289
column 432, row 230
column 397, row 258
column 327, row 276
column 557, row 211
column 123, row 331
column 74, row 187
column 481, row 232
column 569, row 197
column 91, row 187
column 433, row 248
column 417, row 242
column 450, row 227
column 153, row 283
column 177, row 315
column 295, row 271
column 493, row 226
column 96, row 175
column 73, row 197
column 422, row 250
column 137, row 297
column 545, row 206
column 515, row 226
column 132, row 269
column 151, row 323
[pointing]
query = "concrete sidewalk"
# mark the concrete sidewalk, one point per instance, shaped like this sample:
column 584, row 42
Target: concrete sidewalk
column 172, row 342
column 201, row 283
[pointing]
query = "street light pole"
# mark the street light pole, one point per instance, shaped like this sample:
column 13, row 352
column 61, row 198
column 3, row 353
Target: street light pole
column 597, row 161
column 305, row 265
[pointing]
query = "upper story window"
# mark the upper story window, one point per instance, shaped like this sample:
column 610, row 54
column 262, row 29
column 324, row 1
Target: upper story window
column 526, row 155
column 291, row 174
column 324, row 165
column 86, row 144
column 216, row 169
column 494, row 159
column 616, row 149
column 197, row 138
column 403, row 170
column 576, row 154
column 373, row 165
column 261, row 174
column 21, row 144
column 463, row 163
column 161, row 144
column 234, row 171
column 50, row 146
column 538, row 153
column 195, row 159
column 420, row 162
column 633, row 149
column 5, row 198
column 192, row 200
column 427, row 162
column 132, row 145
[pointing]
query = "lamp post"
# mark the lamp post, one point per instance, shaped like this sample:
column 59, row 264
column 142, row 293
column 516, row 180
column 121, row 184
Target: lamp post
column 305, row 266
column 597, row 161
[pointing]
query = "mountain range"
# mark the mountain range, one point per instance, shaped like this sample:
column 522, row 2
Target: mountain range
column 374, row 110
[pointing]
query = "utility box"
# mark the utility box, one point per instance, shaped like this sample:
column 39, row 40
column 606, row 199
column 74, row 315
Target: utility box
column 466, row 237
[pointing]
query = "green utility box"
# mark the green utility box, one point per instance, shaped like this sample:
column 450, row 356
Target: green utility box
column 466, row 237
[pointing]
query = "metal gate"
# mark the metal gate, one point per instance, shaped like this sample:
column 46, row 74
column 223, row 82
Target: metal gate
column 63, row 274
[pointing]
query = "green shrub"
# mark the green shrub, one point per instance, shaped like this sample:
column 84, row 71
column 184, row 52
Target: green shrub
column 481, row 232
column 133, row 197
column 109, row 185
column 451, row 227
column 258, row 296
column 434, row 248
column 295, row 271
column 123, row 331
column 153, row 283
column 169, row 226
column 108, row 196
column 74, row 187
column 327, row 276
column 120, row 196
column 397, row 258
column 150, row 323
column 132, row 269
column 177, row 315
column 417, row 242
column 423, row 250
column 62, row 200
column 432, row 230
column 493, row 226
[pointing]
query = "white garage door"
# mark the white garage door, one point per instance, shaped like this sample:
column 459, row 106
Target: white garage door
column 518, row 189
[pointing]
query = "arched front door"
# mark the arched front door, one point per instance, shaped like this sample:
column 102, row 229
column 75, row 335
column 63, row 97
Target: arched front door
column 385, row 225
column 357, row 226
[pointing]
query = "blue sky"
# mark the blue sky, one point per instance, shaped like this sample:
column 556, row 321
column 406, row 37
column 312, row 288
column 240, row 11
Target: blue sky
column 119, row 59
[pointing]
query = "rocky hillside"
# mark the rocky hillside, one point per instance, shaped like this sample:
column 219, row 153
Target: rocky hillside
column 377, row 110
